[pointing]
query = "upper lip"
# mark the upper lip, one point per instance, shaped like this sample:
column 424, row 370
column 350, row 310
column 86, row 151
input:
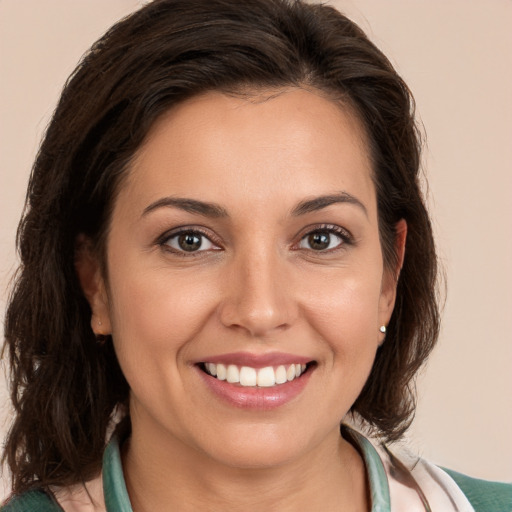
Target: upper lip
column 256, row 360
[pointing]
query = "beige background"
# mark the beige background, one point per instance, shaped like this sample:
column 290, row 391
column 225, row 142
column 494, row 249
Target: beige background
column 456, row 56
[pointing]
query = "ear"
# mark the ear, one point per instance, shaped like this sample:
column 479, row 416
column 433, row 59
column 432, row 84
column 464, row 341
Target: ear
column 89, row 273
column 390, row 277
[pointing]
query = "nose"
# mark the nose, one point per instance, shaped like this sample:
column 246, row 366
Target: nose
column 258, row 296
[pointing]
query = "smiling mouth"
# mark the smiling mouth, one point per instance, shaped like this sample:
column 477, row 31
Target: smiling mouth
column 247, row 376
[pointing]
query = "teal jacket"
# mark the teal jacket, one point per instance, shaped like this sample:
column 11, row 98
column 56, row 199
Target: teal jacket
column 483, row 495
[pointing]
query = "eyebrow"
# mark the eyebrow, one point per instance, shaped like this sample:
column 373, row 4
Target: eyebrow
column 214, row 210
column 188, row 205
column 318, row 203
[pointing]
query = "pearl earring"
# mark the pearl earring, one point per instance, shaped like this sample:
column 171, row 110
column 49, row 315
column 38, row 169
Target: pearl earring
column 382, row 329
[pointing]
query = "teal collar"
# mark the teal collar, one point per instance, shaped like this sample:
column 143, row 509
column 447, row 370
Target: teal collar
column 377, row 478
column 114, row 486
column 117, row 500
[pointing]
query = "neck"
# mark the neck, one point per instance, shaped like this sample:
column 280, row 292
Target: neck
column 166, row 474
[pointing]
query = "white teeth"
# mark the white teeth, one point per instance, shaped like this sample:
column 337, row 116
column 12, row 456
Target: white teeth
column 221, row 371
column 232, row 374
column 266, row 377
column 250, row 377
column 280, row 375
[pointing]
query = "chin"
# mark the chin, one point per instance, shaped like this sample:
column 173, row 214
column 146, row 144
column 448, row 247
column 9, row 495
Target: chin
column 259, row 447
column 256, row 456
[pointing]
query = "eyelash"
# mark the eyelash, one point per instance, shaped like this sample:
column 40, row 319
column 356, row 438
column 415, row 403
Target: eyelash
column 344, row 235
column 163, row 241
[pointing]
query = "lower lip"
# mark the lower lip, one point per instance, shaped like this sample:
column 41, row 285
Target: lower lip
column 255, row 397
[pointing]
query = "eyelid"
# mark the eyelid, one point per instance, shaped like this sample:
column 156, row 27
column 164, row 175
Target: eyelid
column 343, row 233
column 198, row 230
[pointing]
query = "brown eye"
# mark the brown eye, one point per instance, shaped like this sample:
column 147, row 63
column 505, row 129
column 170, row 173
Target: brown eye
column 189, row 241
column 321, row 240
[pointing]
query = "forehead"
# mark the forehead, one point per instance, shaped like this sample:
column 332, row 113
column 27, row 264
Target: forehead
column 260, row 147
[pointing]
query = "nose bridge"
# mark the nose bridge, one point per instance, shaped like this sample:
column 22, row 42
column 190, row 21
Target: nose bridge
column 258, row 297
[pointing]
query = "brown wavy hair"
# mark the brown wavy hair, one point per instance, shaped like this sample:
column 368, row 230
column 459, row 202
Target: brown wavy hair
column 66, row 386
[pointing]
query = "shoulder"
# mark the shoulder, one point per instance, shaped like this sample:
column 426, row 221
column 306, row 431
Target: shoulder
column 484, row 495
column 86, row 497
column 31, row 501
column 441, row 488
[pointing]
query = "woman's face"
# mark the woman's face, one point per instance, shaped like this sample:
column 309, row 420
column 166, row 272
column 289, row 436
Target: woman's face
column 245, row 241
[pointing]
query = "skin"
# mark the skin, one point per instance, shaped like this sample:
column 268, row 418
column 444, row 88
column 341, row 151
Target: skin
column 258, row 286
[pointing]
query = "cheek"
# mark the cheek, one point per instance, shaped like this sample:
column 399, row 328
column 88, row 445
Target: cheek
column 346, row 309
column 154, row 315
column 344, row 313
column 153, row 321
column 340, row 313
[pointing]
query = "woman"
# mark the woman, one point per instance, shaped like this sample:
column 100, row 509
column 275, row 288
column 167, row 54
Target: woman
column 225, row 255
